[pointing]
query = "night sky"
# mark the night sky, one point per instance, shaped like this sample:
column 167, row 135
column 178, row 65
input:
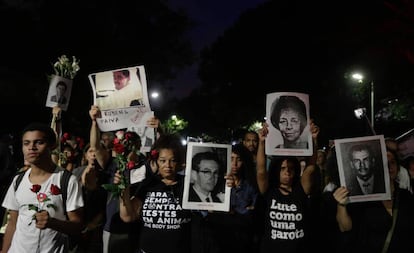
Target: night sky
column 298, row 29
column 30, row 49
column 212, row 18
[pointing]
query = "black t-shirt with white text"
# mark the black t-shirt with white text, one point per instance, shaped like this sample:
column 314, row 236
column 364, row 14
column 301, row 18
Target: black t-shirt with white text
column 285, row 221
column 165, row 225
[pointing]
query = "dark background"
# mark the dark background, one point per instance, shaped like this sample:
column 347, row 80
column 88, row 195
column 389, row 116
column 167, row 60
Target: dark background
column 297, row 46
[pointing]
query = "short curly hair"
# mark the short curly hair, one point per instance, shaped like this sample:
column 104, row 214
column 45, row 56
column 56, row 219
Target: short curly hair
column 288, row 102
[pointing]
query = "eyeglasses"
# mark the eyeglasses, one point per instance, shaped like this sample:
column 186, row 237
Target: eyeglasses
column 209, row 173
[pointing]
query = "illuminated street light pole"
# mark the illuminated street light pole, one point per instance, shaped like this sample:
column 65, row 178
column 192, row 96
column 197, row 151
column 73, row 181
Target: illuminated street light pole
column 359, row 78
column 372, row 104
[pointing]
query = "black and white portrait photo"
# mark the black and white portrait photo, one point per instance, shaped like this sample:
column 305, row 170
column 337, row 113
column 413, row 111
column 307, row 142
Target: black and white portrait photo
column 363, row 168
column 59, row 92
column 287, row 115
column 205, row 187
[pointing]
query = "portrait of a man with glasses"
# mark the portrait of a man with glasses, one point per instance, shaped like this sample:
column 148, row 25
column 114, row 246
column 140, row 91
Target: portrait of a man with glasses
column 206, row 171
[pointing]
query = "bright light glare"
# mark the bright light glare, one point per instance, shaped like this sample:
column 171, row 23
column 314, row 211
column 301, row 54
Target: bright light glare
column 358, row 77
column 155, row 94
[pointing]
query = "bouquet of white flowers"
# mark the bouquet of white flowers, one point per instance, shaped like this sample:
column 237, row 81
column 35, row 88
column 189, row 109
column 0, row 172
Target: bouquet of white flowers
column 65, row 68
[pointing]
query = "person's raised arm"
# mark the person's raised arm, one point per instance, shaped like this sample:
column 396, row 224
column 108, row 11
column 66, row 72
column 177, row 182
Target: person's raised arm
column 155, row 123
column 262, row 175
column 102, row 155
column 308, row 176
column 56, row 125
column 314, row 129
column 342, row 216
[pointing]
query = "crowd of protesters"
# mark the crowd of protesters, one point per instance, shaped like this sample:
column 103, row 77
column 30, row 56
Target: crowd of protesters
column 275, row 206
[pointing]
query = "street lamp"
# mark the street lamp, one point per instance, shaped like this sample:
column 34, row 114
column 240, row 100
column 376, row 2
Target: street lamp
column 359, row 77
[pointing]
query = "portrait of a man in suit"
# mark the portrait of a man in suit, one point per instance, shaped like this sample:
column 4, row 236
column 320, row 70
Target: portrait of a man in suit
column 368, row 174
column 60, row 97
column 205, row 173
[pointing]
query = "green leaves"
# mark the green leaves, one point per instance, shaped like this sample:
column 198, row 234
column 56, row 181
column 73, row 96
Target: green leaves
column 51, row 206
column 114, row 189
column 33, row 207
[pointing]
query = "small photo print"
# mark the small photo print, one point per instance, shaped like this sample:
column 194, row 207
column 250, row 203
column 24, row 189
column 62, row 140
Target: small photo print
column 60, row 89
column 205, row 187
column 363, row 168
column 146, row 134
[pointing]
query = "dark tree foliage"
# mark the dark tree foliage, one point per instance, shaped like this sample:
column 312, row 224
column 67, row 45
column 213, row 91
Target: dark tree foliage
column 302, row 46
column 103, row 34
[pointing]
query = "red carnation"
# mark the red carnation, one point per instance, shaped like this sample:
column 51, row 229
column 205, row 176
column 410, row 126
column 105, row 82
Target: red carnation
column 35, row 188
column 42, row 197
column 55, row 190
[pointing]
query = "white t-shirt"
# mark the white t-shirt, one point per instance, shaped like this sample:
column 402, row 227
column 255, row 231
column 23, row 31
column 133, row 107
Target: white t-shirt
column 26, row 237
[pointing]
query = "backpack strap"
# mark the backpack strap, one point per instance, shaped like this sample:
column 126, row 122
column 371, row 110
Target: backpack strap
column 19, row 179
column 64, row 182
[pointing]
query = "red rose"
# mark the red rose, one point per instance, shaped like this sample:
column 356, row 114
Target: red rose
column 128, row 136
column 131, row 165
column 66, row 136
column 55, row 190
column 119, row 148
column 154, row 154
column 116, row 141
column 81, row 143
column 35, row 188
